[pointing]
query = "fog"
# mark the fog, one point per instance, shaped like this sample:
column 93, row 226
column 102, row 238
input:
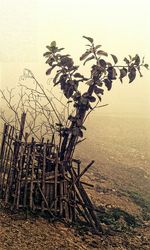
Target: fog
column 28, row 26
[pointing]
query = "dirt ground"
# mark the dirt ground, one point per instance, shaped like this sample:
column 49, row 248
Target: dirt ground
column 16, row 234
column 37, row 233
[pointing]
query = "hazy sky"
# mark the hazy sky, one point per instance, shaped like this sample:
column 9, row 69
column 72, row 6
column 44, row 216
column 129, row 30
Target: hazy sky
column 122, row 27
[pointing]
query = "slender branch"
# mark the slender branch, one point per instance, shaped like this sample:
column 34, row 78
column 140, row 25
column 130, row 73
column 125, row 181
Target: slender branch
column 42, row 89
column 96, row 106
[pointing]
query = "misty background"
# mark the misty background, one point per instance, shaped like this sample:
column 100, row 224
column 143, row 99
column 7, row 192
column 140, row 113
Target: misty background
column 118, row 133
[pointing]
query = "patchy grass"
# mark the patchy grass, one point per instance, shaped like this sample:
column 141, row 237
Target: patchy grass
column 142, row 202
column 118, row 220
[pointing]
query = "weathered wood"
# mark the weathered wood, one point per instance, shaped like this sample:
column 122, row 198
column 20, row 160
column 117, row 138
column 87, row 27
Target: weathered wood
column 9, row 142
column 5, row 129
column 36, row 176
column 82, row 173
column 56, row 184
column 32, row 179
column 87, row 184
column 82, row 213
column 51, row 193
column 86, row 200
column 61, row 197
column 22, row 124
column 7, row 189
column 2, row 160
column 43, row 196
column 84, row 170
column 43, row 173
column 85, row 211
column 66, row 200
column 27, row 165
column 19, row 179
column 8, row 163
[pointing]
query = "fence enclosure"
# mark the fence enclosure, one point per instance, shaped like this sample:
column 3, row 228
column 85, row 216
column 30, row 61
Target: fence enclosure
column 33, row 177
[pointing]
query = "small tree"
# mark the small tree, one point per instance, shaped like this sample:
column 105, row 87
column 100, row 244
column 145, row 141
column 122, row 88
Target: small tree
column 103, row 73
column 65, row 128
column 39, row 103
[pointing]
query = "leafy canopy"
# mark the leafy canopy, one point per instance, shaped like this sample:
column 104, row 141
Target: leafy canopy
column 103, row 72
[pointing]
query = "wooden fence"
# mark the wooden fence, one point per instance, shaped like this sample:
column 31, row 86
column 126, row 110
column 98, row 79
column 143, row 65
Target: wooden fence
column 32, row 176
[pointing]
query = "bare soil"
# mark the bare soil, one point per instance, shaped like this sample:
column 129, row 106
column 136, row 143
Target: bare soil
column 18, row 233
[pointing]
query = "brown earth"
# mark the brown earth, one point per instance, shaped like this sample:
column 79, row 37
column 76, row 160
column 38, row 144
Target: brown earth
column 41, row 235
column 37, row 233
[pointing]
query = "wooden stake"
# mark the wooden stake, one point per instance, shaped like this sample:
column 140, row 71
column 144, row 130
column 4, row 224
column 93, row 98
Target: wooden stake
column 43, row 174
column 55, row 180
column 32, row 178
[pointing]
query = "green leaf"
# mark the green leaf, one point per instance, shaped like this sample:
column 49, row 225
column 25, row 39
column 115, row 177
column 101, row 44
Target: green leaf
column 78, row 75
column 132, row 74
column 102, row 53
column 126, row 60
column 92, row 98
column 137, row 60
column 97, row 47
column 99, row 83
column 47, row 54
column 88, row 59
column 114, row 58
column 98, row 90
column 146, row 66
column 67, row 61
column 138, row 68
column 50, row 61
column 114, row 73
column 99, row 97
column 53, row 44
column 123, row 73
column 55, row 78
column 84, row 56
column 108, row 83
column 50, row 69
column 102, row 63
column 111, row 73
column 48, row 47
column 60, row 49
column 80, row 133
column 82, row 127
column 88, row 38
